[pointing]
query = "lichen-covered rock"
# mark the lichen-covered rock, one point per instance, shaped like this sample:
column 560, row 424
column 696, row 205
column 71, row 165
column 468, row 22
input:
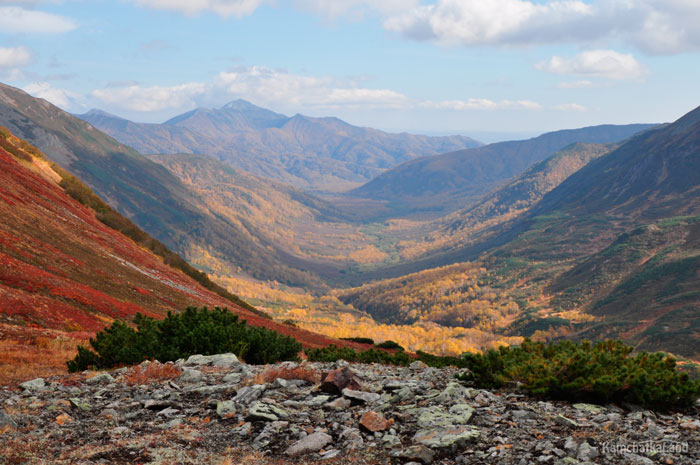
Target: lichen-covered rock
column 448, row 437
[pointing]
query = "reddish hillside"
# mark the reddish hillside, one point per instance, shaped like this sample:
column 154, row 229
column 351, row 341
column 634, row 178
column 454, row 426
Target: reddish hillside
column 62, row 269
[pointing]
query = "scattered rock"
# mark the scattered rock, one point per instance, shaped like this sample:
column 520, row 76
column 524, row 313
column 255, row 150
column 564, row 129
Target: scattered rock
column 450, row 437
column 418, row 365
column 417, row 453
column 561, row 420
column 79, row 404
column 190, row 377
column 220, row 360
column 373, row 422
column 311, row 443
column 586, row 452
column 102, row 378
column 335, row 381
column 6, row 420
column 260, row 411
column 362, row 396
column 401, row 415
column 590, row 408
column 226, row 409
column 35, row 385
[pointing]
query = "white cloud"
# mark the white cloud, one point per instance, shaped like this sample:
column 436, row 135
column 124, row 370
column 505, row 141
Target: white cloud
column 596, row 63
column 355, row 9
column 282, row 91
column 655, row 26
column 279, row 88
column 575, row 84
column 482, row 104
column 238, row 8
column 570, row 107
column 59, row 97
column 16, row 20
column 493, row 22
column 136, row 98
column 14, row 57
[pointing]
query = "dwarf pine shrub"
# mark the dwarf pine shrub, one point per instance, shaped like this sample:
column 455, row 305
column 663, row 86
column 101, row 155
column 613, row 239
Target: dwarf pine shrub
column 603, row 372
column 194, row 331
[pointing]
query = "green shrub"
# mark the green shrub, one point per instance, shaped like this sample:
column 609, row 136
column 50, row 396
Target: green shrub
column 180, row 335
column 441, row 361
column 361, row 340
column 333, row 353
column 389, row 345
column 600, row 373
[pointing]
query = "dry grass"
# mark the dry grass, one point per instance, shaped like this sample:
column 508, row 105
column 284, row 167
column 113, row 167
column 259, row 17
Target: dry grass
column 270, row 374
column 22, row 359
column 151, row 372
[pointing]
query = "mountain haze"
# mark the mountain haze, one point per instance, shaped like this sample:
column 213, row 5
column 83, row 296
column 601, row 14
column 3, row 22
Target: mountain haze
column 312, row 153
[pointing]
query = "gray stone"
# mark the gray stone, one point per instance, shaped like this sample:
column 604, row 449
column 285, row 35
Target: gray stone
column 586, row 452
column 311, row 443
column 209, row 390
column 219, row 360
column 561, row 420
column 6, row 420
column 453, row 393
column 156, row 404
column 590, row 408
column 226, row 409
column 459, row 414
column 341, row 403
column 190, row 377
column 523, row 414
column 79, row 404
column 417, row 453
column 571, row 444
column 248, row 394
column 168, row 412
column 330, row 454
column 261, row 411
column 362, row 396
column 102, row 378
column 450, row 437
column 35, row 385
column 232, row 378
column 635, row 459
column 418, row 365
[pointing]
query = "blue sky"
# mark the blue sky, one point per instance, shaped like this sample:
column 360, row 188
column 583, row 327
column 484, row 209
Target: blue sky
column 441, row 66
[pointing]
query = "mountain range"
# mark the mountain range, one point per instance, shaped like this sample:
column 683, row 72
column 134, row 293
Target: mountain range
column 612, row 250
column 580, row 233
column 318, row 154
column 448, row 182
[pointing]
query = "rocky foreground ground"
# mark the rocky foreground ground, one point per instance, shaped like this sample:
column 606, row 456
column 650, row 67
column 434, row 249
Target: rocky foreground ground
column 217, row 410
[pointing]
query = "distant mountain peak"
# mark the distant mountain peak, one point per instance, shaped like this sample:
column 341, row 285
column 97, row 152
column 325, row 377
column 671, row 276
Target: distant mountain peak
column 98, row 112
column 240, row 105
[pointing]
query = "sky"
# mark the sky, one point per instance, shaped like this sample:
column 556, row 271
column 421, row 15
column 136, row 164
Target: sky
column 483, row 68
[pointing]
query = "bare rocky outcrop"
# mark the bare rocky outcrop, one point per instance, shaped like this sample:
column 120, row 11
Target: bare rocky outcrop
column 395, row 415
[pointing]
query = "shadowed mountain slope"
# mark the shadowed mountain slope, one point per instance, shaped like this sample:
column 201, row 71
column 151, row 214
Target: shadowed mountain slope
column 454, row 180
